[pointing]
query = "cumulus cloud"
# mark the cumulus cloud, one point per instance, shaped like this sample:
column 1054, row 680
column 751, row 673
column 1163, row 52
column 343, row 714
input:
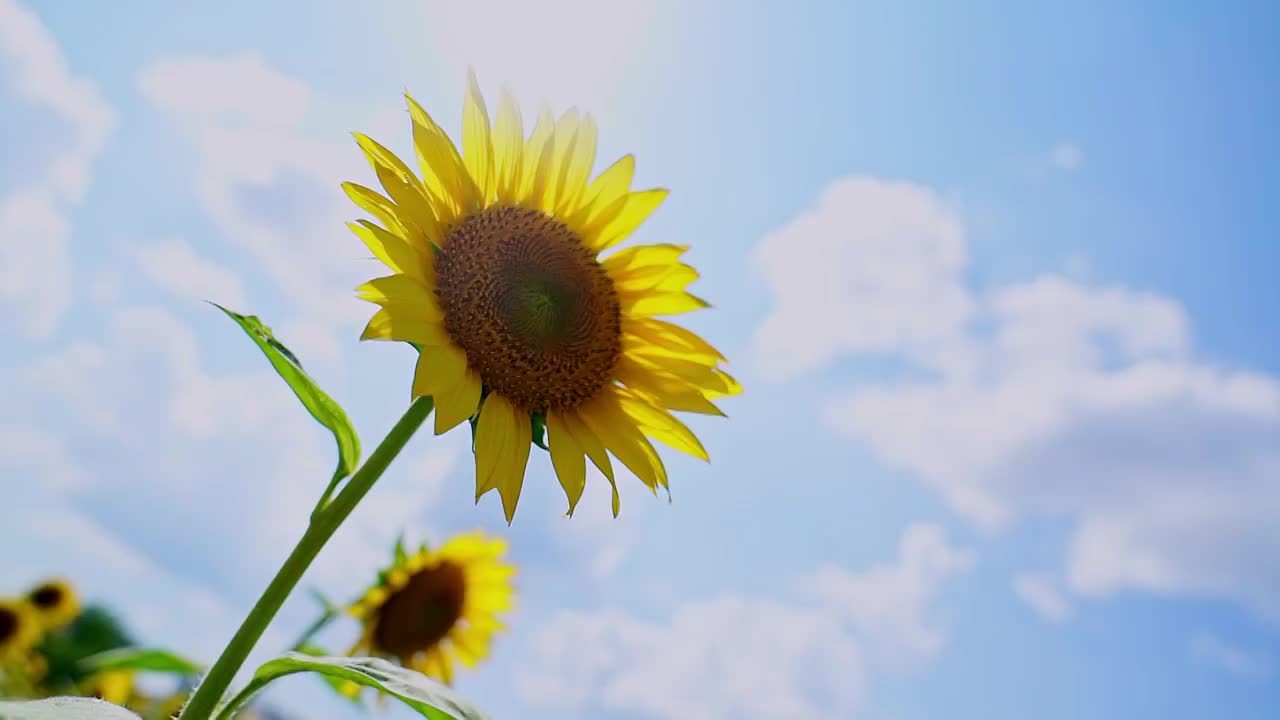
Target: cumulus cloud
column 38, row 75
column 1043, row 397
column 35, row 264
column 1041, row 592
column 236, row 90
column 175, row 266
column 735, row 656
column 887, row 281
column 271, row 189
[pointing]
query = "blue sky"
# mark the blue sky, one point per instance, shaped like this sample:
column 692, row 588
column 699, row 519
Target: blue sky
column 998, row 280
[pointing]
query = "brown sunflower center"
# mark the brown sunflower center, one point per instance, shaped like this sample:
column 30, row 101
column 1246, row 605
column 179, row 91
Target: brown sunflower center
column 47, row 596
column 8, row 625
column 420, row 614
column 536, row 315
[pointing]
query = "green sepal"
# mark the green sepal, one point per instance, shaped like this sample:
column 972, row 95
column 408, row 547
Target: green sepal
column 538, row 421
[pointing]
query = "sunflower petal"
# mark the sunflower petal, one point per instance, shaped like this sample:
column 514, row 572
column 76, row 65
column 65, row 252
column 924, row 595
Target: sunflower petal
column 567, row 459
column 413, row 201
column 389, row 325
column 637, row 207
column 403, row 290
column 604, row 417
column 591, row 445
column 609, row 188
column 442, row 167
column 477, row 148
column 502, row 450
column 565, row 137
column 661, row 425
column 536, row 149
column 673, row 337
column 393, row 250
column 508, row 149
column 458, row 402
column 439, row 368
column 658, row 254
column 379, row 206
column 576, row 168
column 662, row 389
column 644, row 304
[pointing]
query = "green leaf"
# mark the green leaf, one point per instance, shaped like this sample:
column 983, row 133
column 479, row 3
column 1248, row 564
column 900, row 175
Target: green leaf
column 64, row 708
column 430, row 698
column 539, row 423
column 335, row 683
column 95, row 630
column 323, row 408
column 147, row 659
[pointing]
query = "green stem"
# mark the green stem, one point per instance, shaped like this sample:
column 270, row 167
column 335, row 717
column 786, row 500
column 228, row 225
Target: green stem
column 314, row 628
column 322, row 527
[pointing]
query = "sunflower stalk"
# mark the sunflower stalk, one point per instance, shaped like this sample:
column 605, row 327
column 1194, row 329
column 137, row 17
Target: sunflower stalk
column 213, row 686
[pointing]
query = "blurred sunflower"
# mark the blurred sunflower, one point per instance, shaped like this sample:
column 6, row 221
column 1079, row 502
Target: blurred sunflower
column 519, row 323
column 114, row 686
column 55, row 603
column 437, row 607
column 19, row 630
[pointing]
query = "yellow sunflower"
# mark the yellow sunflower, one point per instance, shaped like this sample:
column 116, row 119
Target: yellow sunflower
column 114, row 686
column 437, row 607
column 55, row 603
column 520, row 323
column 19, row 629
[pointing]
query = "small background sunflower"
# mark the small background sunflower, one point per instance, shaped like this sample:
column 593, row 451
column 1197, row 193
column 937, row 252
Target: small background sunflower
column 432, row 609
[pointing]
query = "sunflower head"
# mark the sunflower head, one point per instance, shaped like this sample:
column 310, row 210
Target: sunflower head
column 19, row 628
column 55, row 602
column 114, row 686
column 434, row 608
column 500, row 278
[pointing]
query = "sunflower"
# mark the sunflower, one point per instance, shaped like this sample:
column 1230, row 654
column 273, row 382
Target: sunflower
column 114, row 686
column 19, row 629
column 435, row 607
column 520, row 324
column 55, row 603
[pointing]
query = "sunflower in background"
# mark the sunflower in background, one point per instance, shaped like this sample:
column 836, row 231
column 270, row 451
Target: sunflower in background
column 55, row 603
column 20, row 667
column 19, row 629
column 435, row 608
column 114, row 686
column 520, row 325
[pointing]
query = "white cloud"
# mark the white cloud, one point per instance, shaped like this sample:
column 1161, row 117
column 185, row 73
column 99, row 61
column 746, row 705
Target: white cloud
column 236, row 90
column 874, row 267
column 565, row 52
column 739, row 657
column 70, row 373
column 887, row 604
column 35, row 265
column 41, row 455
column 174, row 266
column 272, row 190
column 1043, row 594
column 1042, row 397
column 1215, row 652
column 1066, row 156
column 33, row 62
